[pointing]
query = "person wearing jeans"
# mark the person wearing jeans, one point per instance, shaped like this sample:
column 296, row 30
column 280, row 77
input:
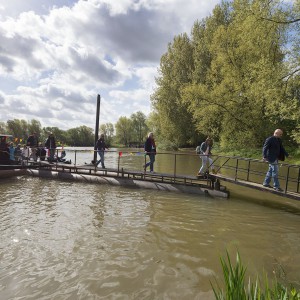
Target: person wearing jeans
column 272, row 152
column 150, row 149
column 205, row 152
column 101, row 146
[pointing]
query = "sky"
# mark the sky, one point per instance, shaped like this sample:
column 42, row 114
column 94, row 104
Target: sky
column 56, row 56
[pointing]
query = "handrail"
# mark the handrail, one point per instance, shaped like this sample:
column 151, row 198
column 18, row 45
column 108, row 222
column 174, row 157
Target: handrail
column 235, row 167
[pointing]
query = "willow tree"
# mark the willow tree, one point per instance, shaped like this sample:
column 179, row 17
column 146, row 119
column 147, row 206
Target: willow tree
column 241, row 94
column 176, row 67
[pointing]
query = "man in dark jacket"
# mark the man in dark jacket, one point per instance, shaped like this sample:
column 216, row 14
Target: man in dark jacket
column 150, row 149
column 100, row 147
column 272, row 152
column 51, row 146
column 33, row 142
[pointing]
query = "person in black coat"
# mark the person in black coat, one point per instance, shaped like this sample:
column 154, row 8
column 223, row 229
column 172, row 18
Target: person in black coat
column 150, row 149
column 273, row 151
column 51, row 146
column 32, row 143
column 100, row 147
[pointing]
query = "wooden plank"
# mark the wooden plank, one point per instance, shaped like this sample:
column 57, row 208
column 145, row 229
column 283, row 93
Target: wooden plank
column 258, row 186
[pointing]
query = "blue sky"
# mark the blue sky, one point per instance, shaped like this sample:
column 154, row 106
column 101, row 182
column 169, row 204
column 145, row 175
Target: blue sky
column 56, row 56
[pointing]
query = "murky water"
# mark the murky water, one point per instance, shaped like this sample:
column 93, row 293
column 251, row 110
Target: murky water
column 71, row 240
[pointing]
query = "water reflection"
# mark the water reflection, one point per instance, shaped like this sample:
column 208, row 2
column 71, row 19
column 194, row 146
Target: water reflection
column 71, row 240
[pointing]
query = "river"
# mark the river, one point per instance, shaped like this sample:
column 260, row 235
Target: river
column 73, row 240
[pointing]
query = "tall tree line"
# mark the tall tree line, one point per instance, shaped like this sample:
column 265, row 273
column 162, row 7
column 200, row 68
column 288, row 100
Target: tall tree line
column 129, row 131
column 236, row 78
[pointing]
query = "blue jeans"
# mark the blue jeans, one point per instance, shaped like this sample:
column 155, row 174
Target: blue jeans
column 272, row 173
column 151, row 162
column 101, row 160
column 205, row 159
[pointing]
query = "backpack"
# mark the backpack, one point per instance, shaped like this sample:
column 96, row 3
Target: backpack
column 198, row 150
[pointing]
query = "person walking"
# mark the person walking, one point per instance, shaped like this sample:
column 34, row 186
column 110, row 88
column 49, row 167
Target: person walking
column 18, row 153
column 205, row 152
column 51, row 146
column 32, row 143
column 100, row 147
column 12, row 153
column 273, row 151
column 150, row 149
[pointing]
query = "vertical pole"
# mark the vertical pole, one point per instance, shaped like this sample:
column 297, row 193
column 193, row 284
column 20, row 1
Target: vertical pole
column 248, row 171
column 97, row 127
column 236, row 169
column 298, row 181
column 175, row 167
column 287, row 179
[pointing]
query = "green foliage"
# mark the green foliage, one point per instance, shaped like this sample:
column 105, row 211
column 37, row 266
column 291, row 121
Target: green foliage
column 139, row 127
column 167, row 145
column 108, row 131
column 234, row 78
column 176, row 67
column 235, row 287
column 123, row 130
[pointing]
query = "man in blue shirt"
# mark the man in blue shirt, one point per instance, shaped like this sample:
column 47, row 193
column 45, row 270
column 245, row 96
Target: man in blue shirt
column 272, row 152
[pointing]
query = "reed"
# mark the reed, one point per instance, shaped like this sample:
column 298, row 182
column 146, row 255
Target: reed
column 235, row 287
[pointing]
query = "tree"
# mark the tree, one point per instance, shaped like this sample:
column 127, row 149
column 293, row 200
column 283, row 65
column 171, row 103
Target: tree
column 60, row 135
column 124, row 130
column 108, row 130
column 18, row 128
column 139, row 127
column 80, row 136
column 3, row 129
column 176, row 68
column 34, row 126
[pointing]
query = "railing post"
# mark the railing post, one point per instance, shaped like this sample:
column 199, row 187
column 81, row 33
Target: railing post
column 287, row 179
column 75, row 157
column 248, row 171
column 175, row 167
column 298, row 180
column 236, row 169
column 119, row 163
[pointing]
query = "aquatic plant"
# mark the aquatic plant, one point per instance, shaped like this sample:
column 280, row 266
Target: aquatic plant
column 236, row 289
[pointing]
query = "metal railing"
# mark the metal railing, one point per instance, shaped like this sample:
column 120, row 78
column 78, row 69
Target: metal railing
column 230, row 167
column 254, row 170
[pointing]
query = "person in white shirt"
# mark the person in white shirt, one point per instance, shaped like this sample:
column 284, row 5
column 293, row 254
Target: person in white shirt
column 205, row 152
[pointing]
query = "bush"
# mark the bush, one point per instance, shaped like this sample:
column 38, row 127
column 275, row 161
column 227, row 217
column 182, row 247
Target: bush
column 235, row 288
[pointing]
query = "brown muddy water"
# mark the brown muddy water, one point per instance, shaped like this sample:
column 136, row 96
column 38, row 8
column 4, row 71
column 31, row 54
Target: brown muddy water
column 72, row 240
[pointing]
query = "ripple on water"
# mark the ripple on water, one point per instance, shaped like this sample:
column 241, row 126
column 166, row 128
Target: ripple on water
column 66, row 240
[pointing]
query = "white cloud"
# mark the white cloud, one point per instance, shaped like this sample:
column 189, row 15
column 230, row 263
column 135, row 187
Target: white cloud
column 56, row 56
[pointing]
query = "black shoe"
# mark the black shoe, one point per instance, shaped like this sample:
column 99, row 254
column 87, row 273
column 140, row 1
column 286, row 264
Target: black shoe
column 278, row 189
column 267, row 186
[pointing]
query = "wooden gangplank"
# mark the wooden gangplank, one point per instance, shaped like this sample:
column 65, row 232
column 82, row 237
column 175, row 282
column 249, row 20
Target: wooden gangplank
column 257, row 186
column 128, row 178
column 125, row 173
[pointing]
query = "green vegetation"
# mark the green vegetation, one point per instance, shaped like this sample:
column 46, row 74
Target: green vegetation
column 129, row 131
column 235, row 287
column 236, row 78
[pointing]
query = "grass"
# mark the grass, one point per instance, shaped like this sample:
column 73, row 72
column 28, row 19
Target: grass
column 235, row 287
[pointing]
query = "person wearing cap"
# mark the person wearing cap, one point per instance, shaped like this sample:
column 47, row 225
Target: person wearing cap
column 100, row 147
column 51, row 146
